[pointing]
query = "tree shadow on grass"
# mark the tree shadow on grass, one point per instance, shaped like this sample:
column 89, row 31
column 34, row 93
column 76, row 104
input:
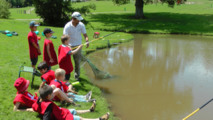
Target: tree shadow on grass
column 154, row 22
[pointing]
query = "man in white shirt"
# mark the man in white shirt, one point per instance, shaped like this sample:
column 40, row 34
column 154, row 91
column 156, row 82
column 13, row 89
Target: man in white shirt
column 74, row 29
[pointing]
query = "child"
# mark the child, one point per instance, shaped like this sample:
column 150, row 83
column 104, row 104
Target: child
column 64, row 56
column 47, row 77
column 67, row 87
column 23, row 100
column 49, row 55
column 50, row 111
column 33, row 44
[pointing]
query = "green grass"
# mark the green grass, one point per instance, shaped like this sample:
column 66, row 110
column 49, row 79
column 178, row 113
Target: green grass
column 14, row 51
column 195, row 18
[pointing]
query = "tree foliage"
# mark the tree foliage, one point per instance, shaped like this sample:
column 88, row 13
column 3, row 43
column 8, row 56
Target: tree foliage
column 4, row 9
column 20, row 3
column 57, row 12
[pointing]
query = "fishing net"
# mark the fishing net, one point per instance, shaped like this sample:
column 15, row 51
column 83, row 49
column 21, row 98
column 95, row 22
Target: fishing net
column 98, row 73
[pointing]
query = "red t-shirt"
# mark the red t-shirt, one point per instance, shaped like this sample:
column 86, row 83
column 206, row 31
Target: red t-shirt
column 32, row 38
column 59, row 84
column 64, row 59
column 48, row 76
column 52, row 52
column 26, row 99
column 57, row 113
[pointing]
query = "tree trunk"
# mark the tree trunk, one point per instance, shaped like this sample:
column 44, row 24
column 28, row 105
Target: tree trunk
column 139, row 9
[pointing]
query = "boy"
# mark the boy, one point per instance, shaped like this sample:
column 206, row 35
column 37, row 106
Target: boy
column 64, row 56
column 47, row 77
column 67, row 87
column 50, row 111
column 49, row 55
column 33, row 44
column 23, row 100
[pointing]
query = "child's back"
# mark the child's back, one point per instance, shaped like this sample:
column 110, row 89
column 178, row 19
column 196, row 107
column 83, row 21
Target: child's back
column 52, row 53
column 48, row 76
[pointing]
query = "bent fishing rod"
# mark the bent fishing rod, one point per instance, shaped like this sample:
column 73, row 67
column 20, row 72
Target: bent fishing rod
column 197, row 109
column 109, row 34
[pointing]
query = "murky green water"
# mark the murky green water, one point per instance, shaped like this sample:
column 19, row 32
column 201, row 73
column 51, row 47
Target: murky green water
column 160, row 77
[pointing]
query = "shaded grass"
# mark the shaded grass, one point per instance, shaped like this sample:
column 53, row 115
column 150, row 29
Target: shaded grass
column 14, row 51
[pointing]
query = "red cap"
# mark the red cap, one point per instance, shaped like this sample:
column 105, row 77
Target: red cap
column 21, row 84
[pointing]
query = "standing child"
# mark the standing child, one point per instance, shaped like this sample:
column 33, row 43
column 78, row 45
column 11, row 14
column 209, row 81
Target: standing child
column 33, row 44
column 50, row 111
column 23, row 100
column 64, row 56
column 49, row 55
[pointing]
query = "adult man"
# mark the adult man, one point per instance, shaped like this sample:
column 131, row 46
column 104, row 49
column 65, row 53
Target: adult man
column 74, row 29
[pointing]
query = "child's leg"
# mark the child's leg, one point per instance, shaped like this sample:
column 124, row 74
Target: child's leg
column 61, row 95
column 34, row 62
column 104, row 117
column 67, row 77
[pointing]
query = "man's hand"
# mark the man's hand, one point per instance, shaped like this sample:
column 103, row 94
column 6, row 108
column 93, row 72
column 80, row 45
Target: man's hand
column 87, row 43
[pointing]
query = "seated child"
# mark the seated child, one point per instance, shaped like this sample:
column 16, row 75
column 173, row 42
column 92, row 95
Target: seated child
column 49, row 55
column 50, row 111
column 64, row 56
column 47, row 77
column 67, row 87
column 23, row 100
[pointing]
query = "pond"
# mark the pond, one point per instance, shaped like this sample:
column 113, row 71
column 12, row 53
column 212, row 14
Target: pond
column 158, row 77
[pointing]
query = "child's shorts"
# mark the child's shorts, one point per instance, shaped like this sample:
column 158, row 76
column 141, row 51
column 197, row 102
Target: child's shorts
column 34, row 61
column 74, row 112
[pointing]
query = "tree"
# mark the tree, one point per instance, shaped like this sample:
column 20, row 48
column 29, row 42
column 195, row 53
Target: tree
column 4, row 9
column 139, row 4
column 57, row 12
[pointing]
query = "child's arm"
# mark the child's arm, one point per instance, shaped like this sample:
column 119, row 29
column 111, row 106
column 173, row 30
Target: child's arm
column 48, row 52
column 16, row 108
column 76, row 50
column 47, row 114
column 37, row 47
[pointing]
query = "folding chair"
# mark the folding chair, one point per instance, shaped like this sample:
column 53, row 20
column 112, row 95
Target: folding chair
column 23, row 68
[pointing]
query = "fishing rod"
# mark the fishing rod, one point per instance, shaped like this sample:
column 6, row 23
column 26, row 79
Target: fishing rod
column 108, row 34
column 197, row 109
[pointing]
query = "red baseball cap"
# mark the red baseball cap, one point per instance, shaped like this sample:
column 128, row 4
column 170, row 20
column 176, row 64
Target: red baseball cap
column 21, row 84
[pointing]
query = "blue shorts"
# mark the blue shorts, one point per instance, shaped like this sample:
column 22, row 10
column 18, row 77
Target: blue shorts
column 34, row 61
column 74, row 112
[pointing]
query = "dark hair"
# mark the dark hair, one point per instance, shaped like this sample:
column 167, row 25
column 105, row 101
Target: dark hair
column 42, row 65
column 64, row 38
column 44, row 91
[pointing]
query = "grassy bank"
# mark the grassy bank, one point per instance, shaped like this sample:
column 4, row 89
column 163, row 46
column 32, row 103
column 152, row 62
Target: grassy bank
column 14, row 51
column 195, row 17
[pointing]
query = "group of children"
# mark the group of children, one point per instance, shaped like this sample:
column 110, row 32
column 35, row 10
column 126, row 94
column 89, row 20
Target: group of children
column 54, row 85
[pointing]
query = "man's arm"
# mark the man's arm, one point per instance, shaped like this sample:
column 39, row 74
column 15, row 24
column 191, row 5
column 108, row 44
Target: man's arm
column 86, row 39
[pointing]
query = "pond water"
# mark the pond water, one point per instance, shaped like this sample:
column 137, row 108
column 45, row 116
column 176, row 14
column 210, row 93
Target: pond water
column 159, row 77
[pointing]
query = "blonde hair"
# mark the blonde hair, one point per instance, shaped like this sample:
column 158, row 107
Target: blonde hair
column 59, row 72
column 64, row 38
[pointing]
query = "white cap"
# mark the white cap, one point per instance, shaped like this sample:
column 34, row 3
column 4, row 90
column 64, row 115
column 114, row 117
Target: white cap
column 77, row 15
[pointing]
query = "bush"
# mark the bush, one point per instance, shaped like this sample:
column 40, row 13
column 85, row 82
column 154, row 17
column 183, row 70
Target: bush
column 4, row 9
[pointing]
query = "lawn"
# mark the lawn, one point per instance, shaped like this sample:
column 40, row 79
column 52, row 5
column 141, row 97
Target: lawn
column 14, row 52
column 194, row 17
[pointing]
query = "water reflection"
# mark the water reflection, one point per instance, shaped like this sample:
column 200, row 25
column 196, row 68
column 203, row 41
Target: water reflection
column 160, row 76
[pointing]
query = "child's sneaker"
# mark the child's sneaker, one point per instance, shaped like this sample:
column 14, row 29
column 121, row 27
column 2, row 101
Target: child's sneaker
column 92, row 108
column 105, row 117
column 89, row 95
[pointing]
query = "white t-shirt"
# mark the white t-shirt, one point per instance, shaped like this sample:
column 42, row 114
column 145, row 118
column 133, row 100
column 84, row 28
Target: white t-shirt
column 74, row 33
